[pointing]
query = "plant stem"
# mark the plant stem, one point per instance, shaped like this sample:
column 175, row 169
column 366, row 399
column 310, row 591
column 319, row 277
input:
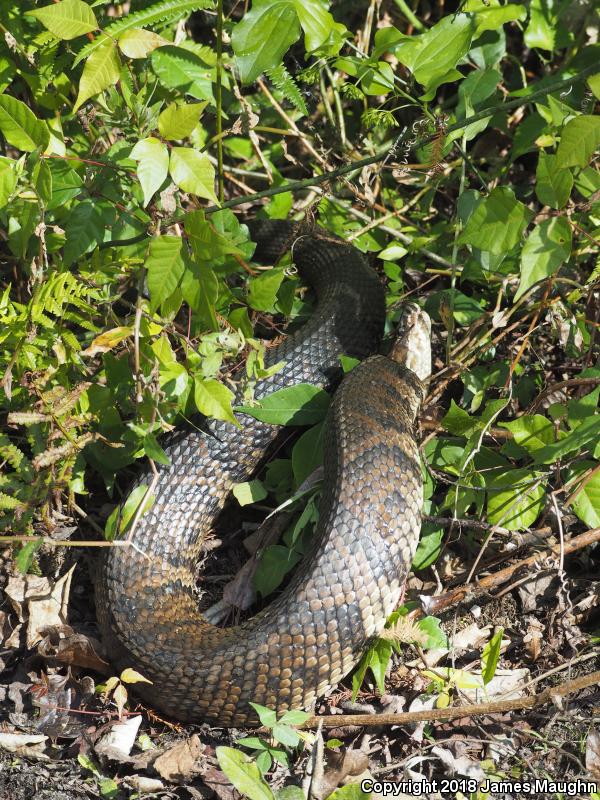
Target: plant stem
column 408, row 13
column 218, row 98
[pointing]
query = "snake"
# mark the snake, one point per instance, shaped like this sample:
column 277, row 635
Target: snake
column 353, row 573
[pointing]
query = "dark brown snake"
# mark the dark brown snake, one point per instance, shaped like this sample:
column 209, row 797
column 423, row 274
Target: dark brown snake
column 313, row 633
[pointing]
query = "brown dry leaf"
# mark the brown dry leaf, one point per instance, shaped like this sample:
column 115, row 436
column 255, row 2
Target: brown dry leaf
column 341, row 769
column 107, row 340
column 219, row 783
column 39, row 602
column 533, row 638
column 180, row 763
column 592, row 754
column 62, row 643
column 143, row 784
column 24, row 744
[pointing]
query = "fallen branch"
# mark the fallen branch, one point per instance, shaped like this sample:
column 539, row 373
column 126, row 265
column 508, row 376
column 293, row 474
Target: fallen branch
column 434, row 605
column 476, row 709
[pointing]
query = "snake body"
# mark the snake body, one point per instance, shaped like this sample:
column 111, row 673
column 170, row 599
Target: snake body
column 313, row 633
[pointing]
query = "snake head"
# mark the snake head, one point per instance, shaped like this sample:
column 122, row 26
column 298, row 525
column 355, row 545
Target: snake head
column 412, row 344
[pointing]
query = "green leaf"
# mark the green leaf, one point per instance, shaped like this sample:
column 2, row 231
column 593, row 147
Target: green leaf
column 294, row 717
column 263, row 36
column 178, row 68
column 531, row 432
column 458, row 421
column 153, row 165
column 193, row 172
column 138, row 43
column 243, row 774
column 437, row 637
column 8, row 180
column 276, row 561
column 214, row 400
column 584, row 434
column 303, row 404
column 579, row 139
column 542, row 26
column 24, row 558
column 165, row 267
column 67, row 19
column 177, row 121
column 20, row 126
column 285, row 735
column 497, row 223
column 491, row 656
column 351, row 791
column 154, row 451
column 262, row 290
column 101, row 70
column 123, row 515
column 553, row 185
column 317, row 23
column 490, row 15
column 267, row 716
column 432, row 56
column 586, row 503
column 200, row 289
column 307, row 453
column 249, row 492
column 547, row 247
column 514, row 500
column 429, row 547
column 84, row 230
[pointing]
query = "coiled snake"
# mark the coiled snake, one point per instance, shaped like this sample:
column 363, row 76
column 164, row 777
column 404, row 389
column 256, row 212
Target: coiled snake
column 313, row 633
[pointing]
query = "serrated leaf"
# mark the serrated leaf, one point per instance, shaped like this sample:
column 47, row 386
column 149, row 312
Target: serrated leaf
column 214, row 400
column 193, row 172
column 178, row 120
column 243, row 774
column 547, row 247
column 491, row 656
column 165, row 267
column 178, row 68
column 139, row 43
column 262, row 289
column 66, row 19
column 303, row 404
column 153, row 165
column 552, row 184
column 20, row 126
column 101, row 70
column 24, row 558
column 579, row 139
column 497, row 223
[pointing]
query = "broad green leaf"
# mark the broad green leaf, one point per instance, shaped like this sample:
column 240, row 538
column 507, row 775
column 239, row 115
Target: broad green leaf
column 123, row 515
column 303, row 404
column 497, row 223
column 20, row 126
column 307, row 453
column 209, row 238
column 514, row 500
column 267, row 716
column 200, row 289
column 490, row 15
column 546, row 248
column 101, row 70
column 193, row 172
column 153, row 165
column 594, row 84
column 139, row 43
column 84, row 230
column 458, row 421
column 262, row 289
column 491, row 656
column 437, row 637
column 429, row 547
column 317, row 23
column 579, row 140
column 67, row 19
column 552, row 184
column 249, row 492
column 586, row 433
column 294, row 717
column 263, row 36
column 213, row 399
column 541, row 30
column 178, row 68
column 432, row 56
column 587, row 500
column 177, row 121
column 243, row 774
column 154, row 451
column 8, row 180
column 285, row 735
column 475, row 89
column 531, row 432
column 165, row 267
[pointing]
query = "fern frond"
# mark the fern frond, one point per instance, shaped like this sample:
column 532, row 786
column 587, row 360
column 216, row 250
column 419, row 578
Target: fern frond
column 10, row 452
column 288, row 87
column 8, row 503
column 161, row 12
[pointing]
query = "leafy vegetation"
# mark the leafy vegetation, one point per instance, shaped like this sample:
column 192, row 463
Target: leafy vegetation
column 456, row 145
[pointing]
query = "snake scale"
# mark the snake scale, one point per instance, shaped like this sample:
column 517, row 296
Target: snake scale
column 313, row 633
